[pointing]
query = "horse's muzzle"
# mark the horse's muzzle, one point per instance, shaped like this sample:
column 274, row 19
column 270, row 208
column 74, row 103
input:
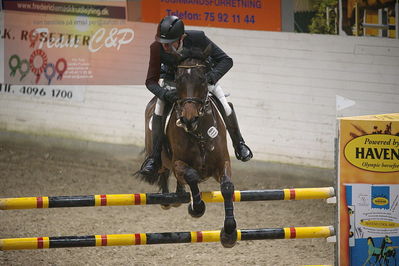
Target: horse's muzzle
column 188, row 125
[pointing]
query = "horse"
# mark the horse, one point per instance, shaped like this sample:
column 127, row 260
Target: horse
column 381, row 253
column 195, row 146
column 349, row 13
column 372, row 251
column 388, row 251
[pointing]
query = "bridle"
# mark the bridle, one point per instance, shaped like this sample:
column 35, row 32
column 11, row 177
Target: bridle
column 203, row 102
column 201, row 138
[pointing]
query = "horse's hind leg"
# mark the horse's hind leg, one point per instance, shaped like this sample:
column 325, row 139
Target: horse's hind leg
column 191, row 177
column 228, row 235
column 180, row 188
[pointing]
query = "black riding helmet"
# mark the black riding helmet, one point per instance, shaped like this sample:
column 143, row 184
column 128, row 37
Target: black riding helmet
column 170, row 29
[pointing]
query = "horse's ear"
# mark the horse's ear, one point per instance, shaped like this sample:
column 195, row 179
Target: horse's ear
column 208, row 50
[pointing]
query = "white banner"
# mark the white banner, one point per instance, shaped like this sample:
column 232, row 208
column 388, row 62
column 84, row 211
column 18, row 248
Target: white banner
column 1, row 47
column 55, row 93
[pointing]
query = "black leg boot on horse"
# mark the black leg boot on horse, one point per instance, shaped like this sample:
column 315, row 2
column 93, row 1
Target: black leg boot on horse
column 242, row 151
column 153, row 163
column 228, row 234
column 197, row 206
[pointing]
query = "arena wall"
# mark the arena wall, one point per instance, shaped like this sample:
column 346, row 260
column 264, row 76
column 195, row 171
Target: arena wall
column 287, row 89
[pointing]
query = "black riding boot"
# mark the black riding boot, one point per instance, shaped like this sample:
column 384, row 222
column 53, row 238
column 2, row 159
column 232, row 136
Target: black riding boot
column 152, row 164
column 242, row 151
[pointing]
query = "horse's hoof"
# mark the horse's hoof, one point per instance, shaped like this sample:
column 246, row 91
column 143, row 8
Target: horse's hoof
column 175, row 205
column 198, row 211
column 230, row 225
column 165, row 207
column 228, row 240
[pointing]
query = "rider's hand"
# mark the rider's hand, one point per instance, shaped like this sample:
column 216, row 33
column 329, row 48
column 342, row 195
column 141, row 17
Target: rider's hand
column 211, row 77
column 171, row 96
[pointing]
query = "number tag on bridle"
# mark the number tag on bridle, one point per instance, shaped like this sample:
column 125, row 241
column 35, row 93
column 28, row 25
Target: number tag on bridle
column 212, row 132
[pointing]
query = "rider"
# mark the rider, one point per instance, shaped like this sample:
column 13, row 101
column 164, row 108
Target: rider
column 171, row 36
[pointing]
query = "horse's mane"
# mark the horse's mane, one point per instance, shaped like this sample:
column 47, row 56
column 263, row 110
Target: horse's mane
column 371, row 239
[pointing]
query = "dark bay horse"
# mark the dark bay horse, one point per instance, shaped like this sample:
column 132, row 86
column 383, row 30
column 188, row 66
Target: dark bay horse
column 196, row 146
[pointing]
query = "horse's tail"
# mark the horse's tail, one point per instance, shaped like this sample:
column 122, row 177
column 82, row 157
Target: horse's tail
column 149, row 110
column 160, row 179
column 151, row 179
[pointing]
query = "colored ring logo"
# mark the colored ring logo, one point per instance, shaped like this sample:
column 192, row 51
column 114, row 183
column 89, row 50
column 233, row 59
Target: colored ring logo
column 38, row 70
column 11, row 63
column 57, row 67
column 49, row 75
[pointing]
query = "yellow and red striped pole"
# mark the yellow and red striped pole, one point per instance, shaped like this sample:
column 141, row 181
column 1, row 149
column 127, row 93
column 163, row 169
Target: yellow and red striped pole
column 159, row 198
column 163, row 238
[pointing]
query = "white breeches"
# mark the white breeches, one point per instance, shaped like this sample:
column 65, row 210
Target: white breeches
column 214, row 89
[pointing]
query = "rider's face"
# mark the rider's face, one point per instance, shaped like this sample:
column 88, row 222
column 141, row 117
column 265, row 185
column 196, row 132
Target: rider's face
column 168, row 46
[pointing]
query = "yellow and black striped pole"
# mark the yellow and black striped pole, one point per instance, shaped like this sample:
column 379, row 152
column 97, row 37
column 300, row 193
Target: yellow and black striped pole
column 162, row 238
column 159, row 198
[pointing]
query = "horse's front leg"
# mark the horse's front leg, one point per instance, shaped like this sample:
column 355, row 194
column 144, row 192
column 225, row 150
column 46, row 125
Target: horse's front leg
column 179, row 190
column 228, row 235
column 163, row 184
column 189, row 175
column 368, row 259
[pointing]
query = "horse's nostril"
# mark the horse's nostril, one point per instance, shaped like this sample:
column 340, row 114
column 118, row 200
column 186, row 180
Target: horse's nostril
column 190, row 123
column 184, row 120
column 194, row 119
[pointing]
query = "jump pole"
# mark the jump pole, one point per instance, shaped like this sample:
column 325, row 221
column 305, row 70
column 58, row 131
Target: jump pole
column 159, row 198
column 162, row 238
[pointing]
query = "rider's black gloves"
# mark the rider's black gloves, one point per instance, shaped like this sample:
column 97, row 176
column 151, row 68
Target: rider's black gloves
column 212, row 77
column 170, row 96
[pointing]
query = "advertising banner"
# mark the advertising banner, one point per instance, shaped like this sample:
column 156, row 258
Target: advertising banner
column 374, row 223
column 368, row 186
column 67, row 8
column 73, row 44
column 239, row 14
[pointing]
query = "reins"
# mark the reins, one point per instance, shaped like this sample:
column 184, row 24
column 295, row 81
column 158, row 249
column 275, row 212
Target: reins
column 192, row 66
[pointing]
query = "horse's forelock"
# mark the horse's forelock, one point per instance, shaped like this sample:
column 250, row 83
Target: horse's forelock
column 191, row 82
column 190, row 77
